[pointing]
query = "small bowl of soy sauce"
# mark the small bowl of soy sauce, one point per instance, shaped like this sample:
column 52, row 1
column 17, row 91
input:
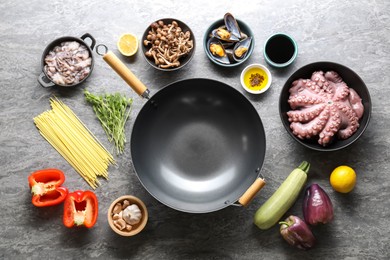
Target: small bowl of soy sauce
column 280, row 50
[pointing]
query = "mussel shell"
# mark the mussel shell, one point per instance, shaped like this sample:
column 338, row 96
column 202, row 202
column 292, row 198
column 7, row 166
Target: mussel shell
column 246, row 43
column 228, row 45
column 232, row 25
column 232, row 38
column 222, row 59
column 230, row 55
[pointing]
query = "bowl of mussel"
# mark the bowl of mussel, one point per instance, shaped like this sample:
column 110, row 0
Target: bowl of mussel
column 228, row 42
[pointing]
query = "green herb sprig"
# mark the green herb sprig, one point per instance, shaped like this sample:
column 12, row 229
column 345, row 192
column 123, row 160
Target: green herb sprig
column 112, row 110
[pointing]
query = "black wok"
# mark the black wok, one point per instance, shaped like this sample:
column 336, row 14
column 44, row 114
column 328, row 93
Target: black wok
column 197, row 145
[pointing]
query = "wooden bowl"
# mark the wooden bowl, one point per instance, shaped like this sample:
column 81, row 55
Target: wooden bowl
column 136, row 227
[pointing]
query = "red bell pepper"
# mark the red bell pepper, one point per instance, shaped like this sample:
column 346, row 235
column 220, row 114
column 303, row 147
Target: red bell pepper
column 80, row 209
column 46, row 187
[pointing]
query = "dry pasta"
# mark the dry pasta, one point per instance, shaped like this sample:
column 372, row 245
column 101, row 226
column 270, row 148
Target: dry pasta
column 72, row 139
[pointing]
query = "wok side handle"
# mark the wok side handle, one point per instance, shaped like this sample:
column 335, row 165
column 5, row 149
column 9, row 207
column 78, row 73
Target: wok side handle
column 119, row 67
column 251, row 192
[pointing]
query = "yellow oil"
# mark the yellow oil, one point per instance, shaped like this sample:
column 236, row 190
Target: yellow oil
column 261, row 76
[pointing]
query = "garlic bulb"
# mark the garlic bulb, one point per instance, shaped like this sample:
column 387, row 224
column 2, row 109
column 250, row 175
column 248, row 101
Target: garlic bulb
column 132, row 214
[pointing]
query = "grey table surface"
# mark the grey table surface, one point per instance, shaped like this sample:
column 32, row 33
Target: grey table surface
column 353, row 33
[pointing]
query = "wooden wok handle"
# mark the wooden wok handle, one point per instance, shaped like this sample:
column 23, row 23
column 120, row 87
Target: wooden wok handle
column 251, row 192
column 128, row 76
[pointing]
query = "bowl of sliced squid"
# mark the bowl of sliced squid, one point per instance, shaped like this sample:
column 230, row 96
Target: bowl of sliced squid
column 67, row 61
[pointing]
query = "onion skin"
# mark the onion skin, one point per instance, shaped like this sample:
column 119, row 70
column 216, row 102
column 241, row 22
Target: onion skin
column 297, row 233
column 317, row 206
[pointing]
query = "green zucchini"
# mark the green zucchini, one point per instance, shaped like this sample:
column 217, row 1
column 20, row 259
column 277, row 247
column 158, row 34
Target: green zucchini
column 283, row 198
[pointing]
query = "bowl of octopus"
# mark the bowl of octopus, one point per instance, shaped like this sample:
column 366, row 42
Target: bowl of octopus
column 325, row 106
column 168, row 44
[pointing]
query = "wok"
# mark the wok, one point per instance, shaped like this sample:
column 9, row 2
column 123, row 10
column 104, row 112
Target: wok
column 197, row 145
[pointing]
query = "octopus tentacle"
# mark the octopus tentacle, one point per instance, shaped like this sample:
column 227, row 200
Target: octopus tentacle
column 333, row 77
column 312, row 128
column 304, row 93
column 304, row 101
column 331, row 127
column 299, row 86
column 356, row 103
column 305, row 114
column 318, row 76
column 350, row 121
column 341, row 91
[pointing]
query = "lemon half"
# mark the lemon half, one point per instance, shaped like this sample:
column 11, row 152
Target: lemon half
column 127, row 44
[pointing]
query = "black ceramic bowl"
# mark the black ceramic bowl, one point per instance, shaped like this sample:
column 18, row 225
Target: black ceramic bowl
column 351, row 79
column 184, row 60
column 44, row 79
column 243, row 27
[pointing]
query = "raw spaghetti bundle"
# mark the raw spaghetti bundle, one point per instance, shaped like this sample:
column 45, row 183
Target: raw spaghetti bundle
column 72, row 139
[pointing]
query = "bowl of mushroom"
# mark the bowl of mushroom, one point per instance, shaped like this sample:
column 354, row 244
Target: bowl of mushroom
column 168, row 44
column 127, row 215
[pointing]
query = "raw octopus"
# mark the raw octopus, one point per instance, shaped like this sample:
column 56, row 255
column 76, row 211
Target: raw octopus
column 68, row 64
column 324, row 107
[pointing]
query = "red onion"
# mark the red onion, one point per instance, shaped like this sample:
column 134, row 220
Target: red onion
column 317, row 206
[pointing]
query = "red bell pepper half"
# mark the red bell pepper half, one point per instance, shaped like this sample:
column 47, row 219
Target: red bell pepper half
column 80, row 209
column 46, row 187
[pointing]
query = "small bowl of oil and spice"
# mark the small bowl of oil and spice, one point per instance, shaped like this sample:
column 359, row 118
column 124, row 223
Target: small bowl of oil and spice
column 256, row 79
column 228, row 42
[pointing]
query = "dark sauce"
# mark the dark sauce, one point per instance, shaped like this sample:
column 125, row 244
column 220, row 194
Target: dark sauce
column 279, row 49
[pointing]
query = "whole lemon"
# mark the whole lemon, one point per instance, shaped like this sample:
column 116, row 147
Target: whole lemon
column 343, row 179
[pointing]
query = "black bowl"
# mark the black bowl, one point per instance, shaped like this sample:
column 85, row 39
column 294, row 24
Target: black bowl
column 44, row 79
column 183, row 60
column 351, row 79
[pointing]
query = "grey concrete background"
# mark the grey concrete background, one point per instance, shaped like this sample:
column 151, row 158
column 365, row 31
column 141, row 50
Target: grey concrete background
column 353, row 33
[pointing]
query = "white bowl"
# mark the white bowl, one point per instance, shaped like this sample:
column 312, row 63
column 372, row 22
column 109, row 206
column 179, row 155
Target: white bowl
column 264, row 72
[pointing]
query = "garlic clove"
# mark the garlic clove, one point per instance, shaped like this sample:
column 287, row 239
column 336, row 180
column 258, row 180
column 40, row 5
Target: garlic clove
column 120, row 224
column 129, row 227
column 117, row 208
column 125, row 204
column 116, row 216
